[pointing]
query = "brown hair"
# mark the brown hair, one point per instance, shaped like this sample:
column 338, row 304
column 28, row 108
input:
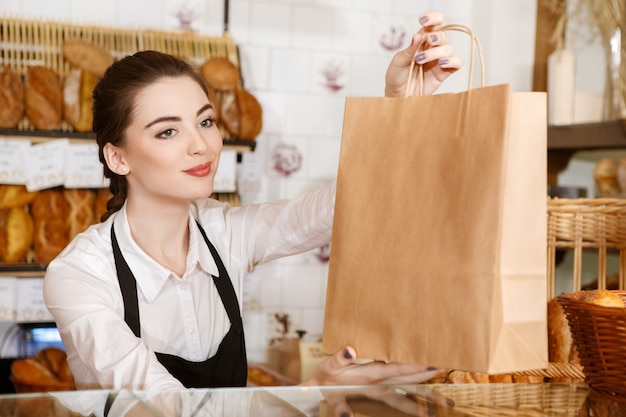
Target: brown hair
column 114, row 103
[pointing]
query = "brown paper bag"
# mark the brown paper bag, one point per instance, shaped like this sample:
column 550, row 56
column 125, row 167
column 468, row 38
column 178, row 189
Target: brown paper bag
column 438, row 253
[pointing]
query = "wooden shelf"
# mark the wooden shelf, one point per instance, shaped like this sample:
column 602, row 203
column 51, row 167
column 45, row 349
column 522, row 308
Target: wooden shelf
column 565, row 141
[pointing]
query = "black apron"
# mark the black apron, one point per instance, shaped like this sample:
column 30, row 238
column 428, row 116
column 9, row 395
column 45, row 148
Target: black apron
column 228, row 368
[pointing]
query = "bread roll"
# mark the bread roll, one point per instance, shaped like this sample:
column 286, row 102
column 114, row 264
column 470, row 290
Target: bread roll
column 50, row 211
column 16, row 234
column 47, row 368
column 221, row 74
column 603, row 298
column 605, row 177
column 242, row 114
column 12, row 195
column 77, row 99
column 82, row 210
column 11, row 98
column 86, row 56
column 44, row 98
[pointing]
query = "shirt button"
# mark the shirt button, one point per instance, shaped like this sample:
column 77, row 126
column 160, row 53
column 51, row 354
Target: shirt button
column 191, row 331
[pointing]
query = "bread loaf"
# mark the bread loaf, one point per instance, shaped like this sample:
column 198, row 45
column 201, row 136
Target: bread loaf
column 86, row 56
column 242, row 114
column 221, row 74
column 605, row 177
column 50, row 211
column 603, row 298
column 11, row 98
column 13, row 195
column 44, row 98
column 82, row 209
column 16, row 234
column 77, row 99
column 47, row 369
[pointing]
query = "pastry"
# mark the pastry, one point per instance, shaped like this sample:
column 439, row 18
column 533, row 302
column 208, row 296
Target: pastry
column 50, row 211
column 561, row 348
column 86, row 56
column 12, row 195
column 16, row 234
column 11, row 98
column 82, row 210
column 221, row 74
column 44, row 98
column 603, row 298
column 77, row 99
column 241, row 114
column 47, row 370
column 605, row 177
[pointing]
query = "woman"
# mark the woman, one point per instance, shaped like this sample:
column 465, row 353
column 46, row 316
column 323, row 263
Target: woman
column 148, row 299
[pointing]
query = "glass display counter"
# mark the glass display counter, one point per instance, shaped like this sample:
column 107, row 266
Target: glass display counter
column 445, row 400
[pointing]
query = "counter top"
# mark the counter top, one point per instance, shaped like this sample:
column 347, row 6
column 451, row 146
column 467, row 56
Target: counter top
column 445, row 400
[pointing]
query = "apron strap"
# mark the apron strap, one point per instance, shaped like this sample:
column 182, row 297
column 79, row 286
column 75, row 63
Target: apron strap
column 128, row 287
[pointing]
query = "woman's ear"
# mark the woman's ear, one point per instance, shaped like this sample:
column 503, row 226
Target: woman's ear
column 115, row 160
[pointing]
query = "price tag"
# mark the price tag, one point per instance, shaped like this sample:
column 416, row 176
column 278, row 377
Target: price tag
column 45, row 165
column 83, row 168
column 226, row 175
column 12, row 155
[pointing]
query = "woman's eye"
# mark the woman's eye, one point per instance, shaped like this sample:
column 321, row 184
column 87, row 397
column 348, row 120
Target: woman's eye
column 168, row 133
column 208, row 122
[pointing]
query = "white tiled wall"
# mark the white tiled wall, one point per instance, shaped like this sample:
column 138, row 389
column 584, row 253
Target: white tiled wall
column 285, row 47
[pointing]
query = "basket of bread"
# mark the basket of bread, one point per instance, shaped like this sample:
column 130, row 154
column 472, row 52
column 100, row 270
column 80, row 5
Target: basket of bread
column 597, row 321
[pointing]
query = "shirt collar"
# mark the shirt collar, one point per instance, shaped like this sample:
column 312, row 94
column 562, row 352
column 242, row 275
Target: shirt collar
column 150, row 275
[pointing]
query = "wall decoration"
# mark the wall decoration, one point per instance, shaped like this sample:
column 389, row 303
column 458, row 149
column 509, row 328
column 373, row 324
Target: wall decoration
column 286, row 159
column 393, row 39
column 332, row 73
column 185, row 14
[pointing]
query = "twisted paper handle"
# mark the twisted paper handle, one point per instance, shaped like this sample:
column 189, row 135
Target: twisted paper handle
column 420, row 71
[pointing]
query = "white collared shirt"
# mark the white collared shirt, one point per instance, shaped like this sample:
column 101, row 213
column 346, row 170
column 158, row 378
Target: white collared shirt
column 183, row 316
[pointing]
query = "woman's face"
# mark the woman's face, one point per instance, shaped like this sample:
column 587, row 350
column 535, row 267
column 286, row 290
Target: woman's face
column 172, row 146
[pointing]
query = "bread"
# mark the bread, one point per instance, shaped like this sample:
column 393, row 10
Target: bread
column 47, row 370
column 241, row 114
column 221, row 74
column 603, row 298
column 82, row 210
column 561, row 348
column 605, row 177
column 12, row 195
column 44, row 98
column 50, row 211
column 86, row 56
column 11, row 98
column 77, row 99
column 16, row 234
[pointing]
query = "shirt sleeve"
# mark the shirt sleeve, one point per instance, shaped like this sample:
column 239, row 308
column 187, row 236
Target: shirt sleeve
column 264, row 232
column 88, row 309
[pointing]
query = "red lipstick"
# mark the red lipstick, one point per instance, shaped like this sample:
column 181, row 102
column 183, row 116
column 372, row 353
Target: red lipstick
column 199, row 170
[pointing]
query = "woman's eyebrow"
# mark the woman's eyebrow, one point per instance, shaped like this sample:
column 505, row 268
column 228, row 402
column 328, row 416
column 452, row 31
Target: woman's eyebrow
column 176, row 118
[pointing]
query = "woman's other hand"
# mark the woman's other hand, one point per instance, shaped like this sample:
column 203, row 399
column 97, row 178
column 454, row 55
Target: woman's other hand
column 341, row 369
column 436, row 57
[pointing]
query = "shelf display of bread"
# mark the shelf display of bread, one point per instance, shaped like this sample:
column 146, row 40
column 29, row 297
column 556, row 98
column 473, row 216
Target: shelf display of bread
column 47, row 77
column 36, row 226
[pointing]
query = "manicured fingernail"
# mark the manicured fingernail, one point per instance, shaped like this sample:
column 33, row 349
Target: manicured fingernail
column 434, row 38
column 443, row 61
column 347, row 354
column 424, row 19
column 420, row 57
column 432, row 368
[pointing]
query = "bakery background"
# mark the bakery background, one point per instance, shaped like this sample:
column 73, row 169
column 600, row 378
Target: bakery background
column 300, row 58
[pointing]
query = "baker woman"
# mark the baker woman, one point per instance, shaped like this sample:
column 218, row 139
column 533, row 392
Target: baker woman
column 149, row 299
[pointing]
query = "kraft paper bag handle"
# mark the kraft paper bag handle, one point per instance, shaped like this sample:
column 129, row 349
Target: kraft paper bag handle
column 475, row 42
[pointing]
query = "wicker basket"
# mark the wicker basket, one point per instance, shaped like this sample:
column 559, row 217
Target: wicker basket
column 600, row 337
column 597, row 224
